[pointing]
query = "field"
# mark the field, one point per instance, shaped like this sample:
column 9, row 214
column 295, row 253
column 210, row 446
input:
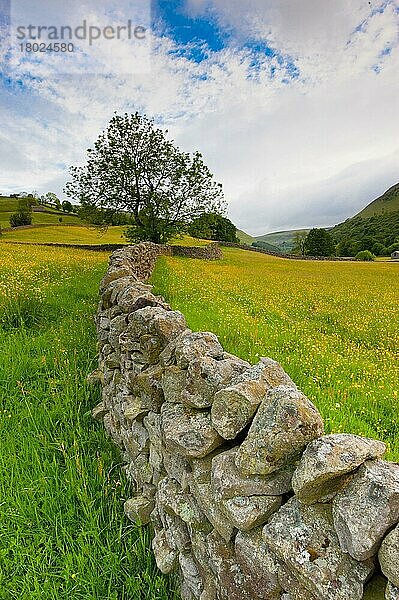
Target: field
column 332, row 325
column 66, row 235
column 10, row 205
column 62, row 529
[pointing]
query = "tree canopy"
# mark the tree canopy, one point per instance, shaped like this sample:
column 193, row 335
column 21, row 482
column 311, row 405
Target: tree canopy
column 211, row 226
column 134, row 167
column 319, row 242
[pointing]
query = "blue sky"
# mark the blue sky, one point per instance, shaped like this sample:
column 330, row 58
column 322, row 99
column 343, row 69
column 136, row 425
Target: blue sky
column 293, row 104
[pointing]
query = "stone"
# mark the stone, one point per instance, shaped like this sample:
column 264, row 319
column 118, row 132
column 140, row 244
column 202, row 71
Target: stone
column 173, row 383
column 177, row 467
column 98, row 412
column 304, row 539
column 326, row 463
column 215, row 514
column 391, row 592
column 233, row 583
column 259, row 564
column 201, row 468
column 274, row 374
column 165, row 557
column 135, row 440
column 176, row 532
column 168, row 354
column 227, row 481
column 135, row 298
column 191, row 346
column 188, row 431
column 111, row 289
column 139, row 470
column 285, row 423
column 291, row 585
column 176, row 502
column 367, row 508
column 117, row 326
column 234, row 406
column 247, row 512
column 205, row 376
column 152, row 423
column 163, row 324
column 139, row 509
column 148, row 386
column 388, row 556
column 191, row 576
column 136, row 406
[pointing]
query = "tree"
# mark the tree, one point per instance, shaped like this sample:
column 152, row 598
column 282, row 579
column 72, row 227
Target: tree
column 319, row 242
column 299, row 243
column 103, row 217
column 133, row 167
column 51, row 199
column 211, row 226
column 23, row 216
column 67, row 206
column 365, row 255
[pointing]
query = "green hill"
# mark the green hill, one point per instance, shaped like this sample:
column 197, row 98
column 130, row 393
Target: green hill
column 42, row 215
column 245, row 238
column 283, row 240
column 375, row 228
column 385, row 204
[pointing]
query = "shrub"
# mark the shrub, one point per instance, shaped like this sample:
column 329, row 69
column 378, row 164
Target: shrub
column 21, row 218
column 365, row 255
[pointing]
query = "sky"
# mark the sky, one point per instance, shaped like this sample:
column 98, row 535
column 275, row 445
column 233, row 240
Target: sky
column 293, row 104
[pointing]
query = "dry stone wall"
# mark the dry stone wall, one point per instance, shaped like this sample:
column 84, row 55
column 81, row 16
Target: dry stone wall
column 247, row 498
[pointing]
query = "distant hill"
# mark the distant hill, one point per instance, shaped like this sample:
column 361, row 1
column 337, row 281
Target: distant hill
column 385, row 204
column 374, row 228
column 245, row 238
column 282, row 240
column 41, row 214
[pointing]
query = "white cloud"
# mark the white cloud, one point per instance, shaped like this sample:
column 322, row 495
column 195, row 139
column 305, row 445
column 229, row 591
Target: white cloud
column 311, row 151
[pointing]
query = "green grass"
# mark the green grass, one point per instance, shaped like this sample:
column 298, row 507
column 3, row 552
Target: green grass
column 63, row 534
column 39, row 218
column 385, row 204
column 245, row 238
column 332, row 325
column 8, row 206
column 82, row 235
column 66, row 235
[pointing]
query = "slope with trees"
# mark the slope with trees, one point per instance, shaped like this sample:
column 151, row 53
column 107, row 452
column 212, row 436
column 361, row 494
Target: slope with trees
column 375, row 228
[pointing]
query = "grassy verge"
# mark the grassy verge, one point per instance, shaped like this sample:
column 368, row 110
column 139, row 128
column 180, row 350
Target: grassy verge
column 62, row 529
column 332, row 325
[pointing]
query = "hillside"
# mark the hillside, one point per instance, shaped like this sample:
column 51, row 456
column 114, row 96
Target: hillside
column 283, row 240
column 375, row 228
column 245, row 238
column 40, row 214
column 385, row 204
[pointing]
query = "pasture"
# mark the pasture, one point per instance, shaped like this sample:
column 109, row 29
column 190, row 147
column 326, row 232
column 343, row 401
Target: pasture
column 65, row 234
column 62, row 529
column 332, row 325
